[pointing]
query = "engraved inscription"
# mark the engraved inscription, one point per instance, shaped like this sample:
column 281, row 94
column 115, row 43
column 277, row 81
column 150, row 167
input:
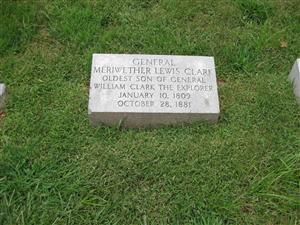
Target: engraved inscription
column 153, row 83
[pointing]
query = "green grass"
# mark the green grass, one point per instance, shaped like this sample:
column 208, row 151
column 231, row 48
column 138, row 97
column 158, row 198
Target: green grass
column 56, row 169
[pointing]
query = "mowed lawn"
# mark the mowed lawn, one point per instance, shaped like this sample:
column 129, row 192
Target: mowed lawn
column 56, row 169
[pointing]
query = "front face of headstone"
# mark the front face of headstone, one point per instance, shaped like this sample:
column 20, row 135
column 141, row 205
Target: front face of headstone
column 150, row 90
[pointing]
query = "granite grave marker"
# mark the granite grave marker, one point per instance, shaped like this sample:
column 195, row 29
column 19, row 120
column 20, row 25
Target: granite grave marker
column 151, row 90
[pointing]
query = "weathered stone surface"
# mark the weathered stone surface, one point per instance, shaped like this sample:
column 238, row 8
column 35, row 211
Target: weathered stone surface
column 151, row 90
column 294, row 77
column 2, row 95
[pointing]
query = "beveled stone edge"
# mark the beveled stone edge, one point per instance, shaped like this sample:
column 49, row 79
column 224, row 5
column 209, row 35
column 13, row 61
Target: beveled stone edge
column 143, row 120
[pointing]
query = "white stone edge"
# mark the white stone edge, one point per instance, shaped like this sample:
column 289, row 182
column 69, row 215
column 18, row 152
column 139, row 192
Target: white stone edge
column 294, row 78
column 2, row 95
column 104, row 54
column 2, row 88
column 216, row 84
column 90, row 83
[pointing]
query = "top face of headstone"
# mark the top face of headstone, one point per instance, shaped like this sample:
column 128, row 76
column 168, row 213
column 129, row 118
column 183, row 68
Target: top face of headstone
column 153, row 84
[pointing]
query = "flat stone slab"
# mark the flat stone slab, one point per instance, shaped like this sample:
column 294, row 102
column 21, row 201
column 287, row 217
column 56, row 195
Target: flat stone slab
column 151, row 90
column 294, row 77
column 2, row 95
